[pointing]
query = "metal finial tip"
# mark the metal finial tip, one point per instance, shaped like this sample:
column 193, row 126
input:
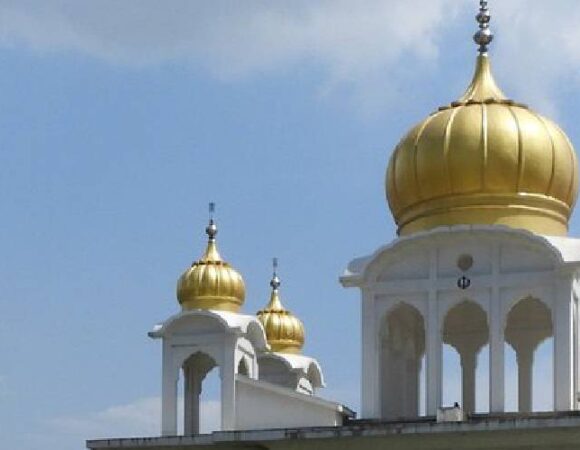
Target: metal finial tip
column 211, row 230
column 483, row 36
column 275, row 282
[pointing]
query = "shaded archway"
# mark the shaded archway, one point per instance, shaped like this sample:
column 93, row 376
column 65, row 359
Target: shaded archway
column 195, row 368
column 528, row 324
column 243, row 368
column 465, row 329
column 402, row 349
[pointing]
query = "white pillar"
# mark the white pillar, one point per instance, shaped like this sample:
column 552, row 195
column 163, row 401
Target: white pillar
column 468, row 365
column 525, row 358
column 563, row 346
column 169, row 378
column 193, row 380
column 496, row 354
column 433, row 357
column 496, row 338
column 371, row 356
column 228, row 384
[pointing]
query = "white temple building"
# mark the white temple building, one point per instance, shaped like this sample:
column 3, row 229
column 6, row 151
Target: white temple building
column 522, row 288
column 265, row 381
column 481, row 191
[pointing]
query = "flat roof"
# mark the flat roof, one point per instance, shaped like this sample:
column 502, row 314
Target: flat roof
column 510, row 430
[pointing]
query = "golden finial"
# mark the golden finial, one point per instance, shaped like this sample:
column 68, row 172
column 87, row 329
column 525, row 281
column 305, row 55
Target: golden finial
column 210, row 282
column 284, row 331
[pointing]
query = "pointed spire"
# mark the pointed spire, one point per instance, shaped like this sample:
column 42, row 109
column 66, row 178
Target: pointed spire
column 483, row 86
column 275, row 282
column 211, row 229
column 211, row 252
column 483, row 36
column 275, row 304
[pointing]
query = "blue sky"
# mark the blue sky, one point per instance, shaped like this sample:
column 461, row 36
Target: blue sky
column 120, row 121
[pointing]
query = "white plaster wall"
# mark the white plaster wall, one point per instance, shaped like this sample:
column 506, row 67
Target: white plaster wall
column 261, row 405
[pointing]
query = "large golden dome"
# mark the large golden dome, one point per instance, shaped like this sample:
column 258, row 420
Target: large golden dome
column 284, row 331
column 483, row 159
column 210, row 282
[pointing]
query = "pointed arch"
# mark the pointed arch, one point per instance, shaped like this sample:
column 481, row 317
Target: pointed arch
column 402, row 347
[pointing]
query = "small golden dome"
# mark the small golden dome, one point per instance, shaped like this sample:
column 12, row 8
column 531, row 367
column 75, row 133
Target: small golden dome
column 483, row 159
column 284, row 331
column 211, row 283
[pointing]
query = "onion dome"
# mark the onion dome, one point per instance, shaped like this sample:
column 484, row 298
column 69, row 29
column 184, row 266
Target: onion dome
column 483, row 159
column 210, row 282
column 284, row 331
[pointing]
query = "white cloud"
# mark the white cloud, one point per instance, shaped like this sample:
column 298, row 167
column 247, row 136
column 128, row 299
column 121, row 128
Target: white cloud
column 538, row 46
column 356, row 45
column 139, row 418
column 231, row 38
column 364, row 48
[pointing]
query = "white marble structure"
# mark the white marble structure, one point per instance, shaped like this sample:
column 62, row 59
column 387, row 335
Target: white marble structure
column 195, row 342
column 259, row 387
column 523, row 288
column 264, row 379
column 481, row 191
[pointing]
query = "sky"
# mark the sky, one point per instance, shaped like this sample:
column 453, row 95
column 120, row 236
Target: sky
column 121, row 120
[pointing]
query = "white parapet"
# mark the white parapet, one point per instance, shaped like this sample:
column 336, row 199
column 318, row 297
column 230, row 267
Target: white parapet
column 262, row 405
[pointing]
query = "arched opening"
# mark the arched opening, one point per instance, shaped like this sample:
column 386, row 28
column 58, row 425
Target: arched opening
column 195, row 369
column 276, row 371
column 314, row 377
column 465, row 329
column 210, row 402
column 528, row 327
column 243, row 368
column 402, row 349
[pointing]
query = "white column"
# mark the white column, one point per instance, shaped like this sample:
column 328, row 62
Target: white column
column 525, row 358
column 433, row 357
column 468, row 366
column 371, row 354
column 433, row 362
column 193, row 380
column 228, row 384
column 563, row 346
column 496, row 341
column 496, row 362
column 169, row 377
column 433, row 345
column 187, row 400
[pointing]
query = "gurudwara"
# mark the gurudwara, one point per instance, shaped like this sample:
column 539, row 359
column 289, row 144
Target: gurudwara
column 481, row 191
